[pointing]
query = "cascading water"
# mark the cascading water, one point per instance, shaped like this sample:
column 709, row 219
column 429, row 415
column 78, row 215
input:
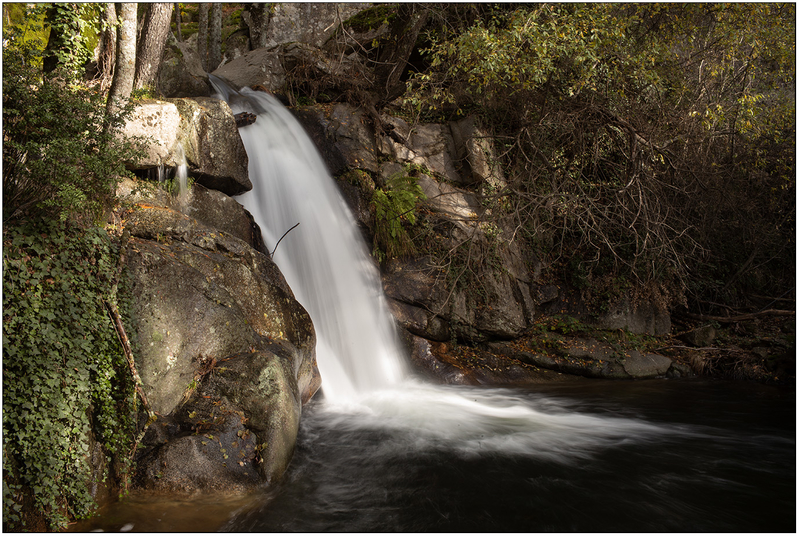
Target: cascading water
column 323, row 259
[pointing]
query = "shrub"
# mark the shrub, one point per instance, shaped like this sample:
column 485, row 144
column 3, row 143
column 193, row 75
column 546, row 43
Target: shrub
column 62, row 155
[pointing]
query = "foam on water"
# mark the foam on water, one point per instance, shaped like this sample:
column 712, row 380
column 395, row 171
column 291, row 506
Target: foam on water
column 473, row 420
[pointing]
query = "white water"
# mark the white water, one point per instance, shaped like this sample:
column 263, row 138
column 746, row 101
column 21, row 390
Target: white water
column 324, row 260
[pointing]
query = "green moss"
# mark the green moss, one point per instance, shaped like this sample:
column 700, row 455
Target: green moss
column 372, row 18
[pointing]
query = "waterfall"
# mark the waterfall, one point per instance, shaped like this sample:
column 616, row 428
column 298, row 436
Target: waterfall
column 182, row 177
column 324, row 259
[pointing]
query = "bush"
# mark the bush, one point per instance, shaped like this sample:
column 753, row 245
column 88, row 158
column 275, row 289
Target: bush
column 654, row 142
column 62, row 155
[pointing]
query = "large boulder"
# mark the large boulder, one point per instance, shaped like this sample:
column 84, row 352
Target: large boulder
column 211, row 208
column 262, row 66
column 214, row 151
column 181, row 73
column 225, row 352
column 203, row 129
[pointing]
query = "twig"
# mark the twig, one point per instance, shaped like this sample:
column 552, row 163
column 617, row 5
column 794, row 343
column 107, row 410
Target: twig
column 123, row 339
column 281, row 238
column 113, row 311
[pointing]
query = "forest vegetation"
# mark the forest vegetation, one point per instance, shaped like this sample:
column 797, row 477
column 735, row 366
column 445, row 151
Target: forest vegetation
column 647, row 148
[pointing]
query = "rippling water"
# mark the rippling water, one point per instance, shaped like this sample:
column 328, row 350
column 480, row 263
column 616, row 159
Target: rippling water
column 589, row 457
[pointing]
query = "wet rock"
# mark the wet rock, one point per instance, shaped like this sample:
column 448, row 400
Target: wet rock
column 264, row 385
column 205, row 296
column 639, row 365
column 679, row 370
column 244, row 118
column 594, row 363
column 700, row 337
column 220, row 457
column 429, row 366
column 476, row 366
column 204, row 129
column 419, row 321
column 214, row 151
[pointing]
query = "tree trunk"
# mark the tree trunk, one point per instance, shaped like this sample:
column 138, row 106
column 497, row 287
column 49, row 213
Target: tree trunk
column 215, row 37
column 410, row 20
column 178, row 23
column 257, row 19
column 151, row 45
column 202, row 35
column 125, row 67
column 108, row 44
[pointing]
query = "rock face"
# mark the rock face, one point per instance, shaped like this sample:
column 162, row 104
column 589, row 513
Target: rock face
column 311, row 23
column 503, row 307
column 205, row 129
column 225, row 352
column 642, row 318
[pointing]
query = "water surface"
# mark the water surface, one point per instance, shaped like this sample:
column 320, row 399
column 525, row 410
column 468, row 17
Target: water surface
column 602, row 456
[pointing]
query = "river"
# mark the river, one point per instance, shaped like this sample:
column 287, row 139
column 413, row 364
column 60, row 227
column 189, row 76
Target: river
column 588, row 456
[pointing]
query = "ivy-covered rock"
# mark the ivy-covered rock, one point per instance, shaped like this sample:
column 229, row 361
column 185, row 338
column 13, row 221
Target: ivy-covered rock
column 67, row 394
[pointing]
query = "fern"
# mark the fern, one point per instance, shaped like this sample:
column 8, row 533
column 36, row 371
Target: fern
column 394, row 206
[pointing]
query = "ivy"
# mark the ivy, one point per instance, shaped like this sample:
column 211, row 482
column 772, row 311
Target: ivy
column 64, row 381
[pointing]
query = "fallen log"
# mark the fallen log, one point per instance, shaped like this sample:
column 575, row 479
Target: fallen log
column 244, row 118
column 740, row 318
